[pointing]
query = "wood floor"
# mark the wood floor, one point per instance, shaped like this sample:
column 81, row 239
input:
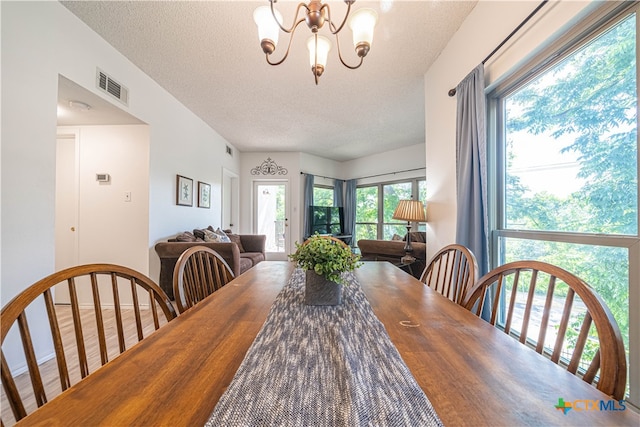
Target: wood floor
column 49, row 370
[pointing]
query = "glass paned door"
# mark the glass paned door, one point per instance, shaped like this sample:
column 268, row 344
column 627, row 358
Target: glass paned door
column 270, row 217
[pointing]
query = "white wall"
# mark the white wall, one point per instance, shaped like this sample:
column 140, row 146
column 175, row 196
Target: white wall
column 105, row 218
column 39, row 41
column 387, row 165
column 487, row 25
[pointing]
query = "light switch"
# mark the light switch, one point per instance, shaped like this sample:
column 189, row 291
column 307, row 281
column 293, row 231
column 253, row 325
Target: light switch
column 127, row 196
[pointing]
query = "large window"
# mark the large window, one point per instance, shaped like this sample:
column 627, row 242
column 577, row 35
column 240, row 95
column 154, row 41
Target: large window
column 377, row 202
column 566, row 189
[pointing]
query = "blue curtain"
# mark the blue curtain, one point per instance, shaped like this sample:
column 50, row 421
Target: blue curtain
column 350, row 210
column 338, row 193
column 471, row 167
column 308, row 201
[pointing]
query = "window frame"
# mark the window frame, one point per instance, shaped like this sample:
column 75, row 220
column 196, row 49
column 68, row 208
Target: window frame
column 380, row 224
column 591, row 27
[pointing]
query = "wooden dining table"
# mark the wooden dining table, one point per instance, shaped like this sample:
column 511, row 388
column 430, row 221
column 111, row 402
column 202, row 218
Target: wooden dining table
column 472, row 373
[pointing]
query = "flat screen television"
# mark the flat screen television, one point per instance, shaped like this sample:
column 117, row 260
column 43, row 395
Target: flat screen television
column 327, row 220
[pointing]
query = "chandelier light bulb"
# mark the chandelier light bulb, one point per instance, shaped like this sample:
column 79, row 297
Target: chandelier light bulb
column 268, row 29
column 362, row 23
column 324, row 46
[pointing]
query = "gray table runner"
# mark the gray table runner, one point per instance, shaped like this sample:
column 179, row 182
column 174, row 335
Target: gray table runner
column 323, row 366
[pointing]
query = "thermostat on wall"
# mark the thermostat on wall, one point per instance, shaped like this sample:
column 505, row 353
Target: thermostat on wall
column 103, row 177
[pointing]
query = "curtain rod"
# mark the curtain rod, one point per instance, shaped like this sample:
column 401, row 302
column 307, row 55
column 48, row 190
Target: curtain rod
column 452, row 92
column 370, row 176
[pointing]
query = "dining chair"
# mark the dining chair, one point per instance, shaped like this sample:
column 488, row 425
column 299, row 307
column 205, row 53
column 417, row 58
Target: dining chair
column 559, row 316
column 109, row 308
column 199, row 272
column 452, row 271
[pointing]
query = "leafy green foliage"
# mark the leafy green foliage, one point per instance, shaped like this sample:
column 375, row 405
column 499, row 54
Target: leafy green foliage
column 367, row 203
column 591, row 99
column 326, row 257
column 322, row 196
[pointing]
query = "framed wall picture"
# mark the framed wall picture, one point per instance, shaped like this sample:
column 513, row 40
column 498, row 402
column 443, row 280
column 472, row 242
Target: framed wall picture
column 204, row 195
column 184, row 191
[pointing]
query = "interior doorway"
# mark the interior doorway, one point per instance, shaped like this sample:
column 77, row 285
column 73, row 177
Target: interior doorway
column 271, row 217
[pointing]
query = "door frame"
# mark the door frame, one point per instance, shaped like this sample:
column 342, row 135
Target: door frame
column 230, row 215
column 274, row 256
column 67, row 233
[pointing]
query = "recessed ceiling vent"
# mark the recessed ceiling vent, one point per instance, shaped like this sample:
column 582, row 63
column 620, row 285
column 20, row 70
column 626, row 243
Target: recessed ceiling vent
column 112, row 87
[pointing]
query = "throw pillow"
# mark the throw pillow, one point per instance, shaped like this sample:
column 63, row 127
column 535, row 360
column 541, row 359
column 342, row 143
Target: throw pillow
column 396, row 237
column 418, row 236
column 235, row 238
column 199, row 233
column 185, row 237
column 223, row 236
column 210, row 236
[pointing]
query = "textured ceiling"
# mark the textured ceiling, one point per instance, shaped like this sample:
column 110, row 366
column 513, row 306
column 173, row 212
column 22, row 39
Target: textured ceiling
column 207, row 55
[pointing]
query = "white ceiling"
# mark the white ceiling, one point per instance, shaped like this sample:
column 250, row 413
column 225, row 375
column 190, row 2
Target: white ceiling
column 207, row 55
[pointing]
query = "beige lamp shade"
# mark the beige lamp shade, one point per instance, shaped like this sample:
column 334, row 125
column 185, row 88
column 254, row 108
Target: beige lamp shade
column 410, row 210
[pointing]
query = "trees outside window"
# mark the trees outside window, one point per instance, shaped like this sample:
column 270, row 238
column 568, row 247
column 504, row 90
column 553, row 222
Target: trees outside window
column 322, row 196
column 377, row 202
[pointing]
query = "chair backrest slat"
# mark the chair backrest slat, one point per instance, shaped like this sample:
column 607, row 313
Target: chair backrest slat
column 199, row 272
column 93, row 277
column 83, row 364
column 590, row 375
column 116, row 305
column 562, row 327
column 154, row 309
column 527, row 310
column 61, row 359
column 580, row 343
column 512, row 302
column 32, row 362
column 102, row 340
column 136, row 309
column 13, row 395
column 451, row 272
column 557, row 318
column 546, row 314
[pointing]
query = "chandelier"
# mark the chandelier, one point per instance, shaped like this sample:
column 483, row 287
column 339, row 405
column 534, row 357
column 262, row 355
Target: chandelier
column 316, row 14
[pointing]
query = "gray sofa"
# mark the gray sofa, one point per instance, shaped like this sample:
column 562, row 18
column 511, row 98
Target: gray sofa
column 242, row 253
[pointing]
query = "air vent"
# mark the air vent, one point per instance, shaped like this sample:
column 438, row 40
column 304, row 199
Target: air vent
column 112, row 87
column 229, row 151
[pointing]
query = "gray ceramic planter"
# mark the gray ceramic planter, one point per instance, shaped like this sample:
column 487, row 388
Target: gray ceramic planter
column 320, row 291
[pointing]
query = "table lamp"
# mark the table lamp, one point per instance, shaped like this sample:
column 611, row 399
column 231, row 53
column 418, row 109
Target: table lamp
column 410, row 211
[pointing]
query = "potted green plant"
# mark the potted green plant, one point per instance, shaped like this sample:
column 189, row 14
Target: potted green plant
column 325, row 259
